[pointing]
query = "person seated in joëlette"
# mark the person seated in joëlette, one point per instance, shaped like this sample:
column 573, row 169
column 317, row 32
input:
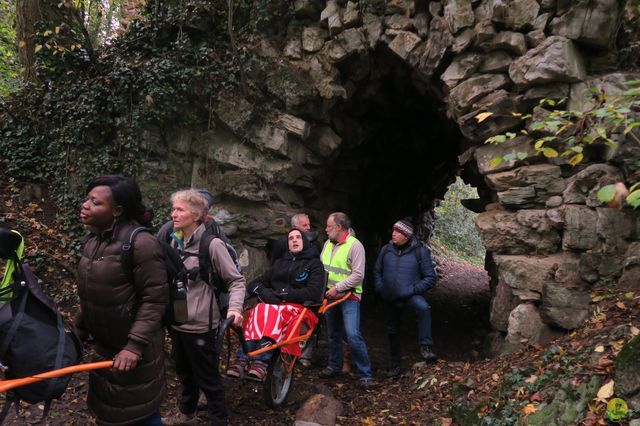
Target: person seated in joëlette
column 295, row 279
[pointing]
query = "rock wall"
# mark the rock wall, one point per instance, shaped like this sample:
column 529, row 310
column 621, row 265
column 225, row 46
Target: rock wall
column 548, row 236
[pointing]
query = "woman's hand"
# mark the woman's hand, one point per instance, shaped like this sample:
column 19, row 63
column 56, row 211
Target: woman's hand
column 125, row 360
column 237, row 318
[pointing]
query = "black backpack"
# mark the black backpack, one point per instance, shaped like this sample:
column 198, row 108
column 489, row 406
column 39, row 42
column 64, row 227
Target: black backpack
column 206, row 270
column 33, row 338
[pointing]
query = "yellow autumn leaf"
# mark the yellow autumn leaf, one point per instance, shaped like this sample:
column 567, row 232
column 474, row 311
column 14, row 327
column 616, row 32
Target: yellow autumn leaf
column 621, row 305
column 529, row 409
column 37, row 48
column 539, row 143
column 57, row 30
column 599, row 349
column 634, row 331
column 368, row 421
column 47, row 33
column 629, row 295
column 483, row 116
column 22, row 44
column 576, row 159
column 549, row 152
column 606, row 391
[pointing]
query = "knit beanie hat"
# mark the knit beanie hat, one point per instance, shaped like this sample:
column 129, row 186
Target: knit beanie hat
column 404, row 227
column 208, row 196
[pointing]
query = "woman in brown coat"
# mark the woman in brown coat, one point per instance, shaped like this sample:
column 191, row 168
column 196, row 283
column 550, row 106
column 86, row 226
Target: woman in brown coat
column 122, row 310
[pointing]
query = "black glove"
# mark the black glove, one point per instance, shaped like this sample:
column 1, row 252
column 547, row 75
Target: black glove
column 283, row 295
column 266, row 295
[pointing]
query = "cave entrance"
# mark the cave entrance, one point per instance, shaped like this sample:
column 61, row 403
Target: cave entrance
column 398, row 157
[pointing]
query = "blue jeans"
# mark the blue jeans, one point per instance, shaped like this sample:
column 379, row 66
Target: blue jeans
column 153, row 420
column 345, row 318
column 253, row 345
column 423, row 317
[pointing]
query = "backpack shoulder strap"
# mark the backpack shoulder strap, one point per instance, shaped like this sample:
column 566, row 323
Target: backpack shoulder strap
column 207, row 271
column 126, row 253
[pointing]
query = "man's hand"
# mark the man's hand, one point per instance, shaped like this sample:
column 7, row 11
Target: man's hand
column 332, row 293
column 125, row 360
column 237, row 318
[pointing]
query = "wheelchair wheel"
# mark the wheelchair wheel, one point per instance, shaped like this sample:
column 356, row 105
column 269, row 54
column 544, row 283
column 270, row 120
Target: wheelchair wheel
column 278, row 381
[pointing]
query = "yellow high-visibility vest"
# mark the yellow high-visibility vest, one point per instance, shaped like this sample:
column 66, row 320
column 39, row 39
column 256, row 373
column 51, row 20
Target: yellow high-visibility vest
column 337, row 267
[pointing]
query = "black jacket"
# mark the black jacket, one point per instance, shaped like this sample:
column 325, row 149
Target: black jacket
column 296, row 279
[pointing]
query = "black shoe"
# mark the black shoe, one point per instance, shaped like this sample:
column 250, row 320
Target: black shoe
column 394, row 372
column 327, row 373
column 427, row 354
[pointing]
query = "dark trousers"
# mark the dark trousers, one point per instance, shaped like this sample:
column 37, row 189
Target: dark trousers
column 197, row 368
column 422, row 309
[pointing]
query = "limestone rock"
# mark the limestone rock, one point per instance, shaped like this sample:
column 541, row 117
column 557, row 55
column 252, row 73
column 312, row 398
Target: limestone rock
column 544, row 177
column 555, row 91
column 521, row 14
column 346, row 44
column 535, row 38
column 471, row 90
column 527, row 272
column 398, row 22
column 615, row 228
column 627, row 376
column 509, row 41
column 307, row 9
column 579, row 228
column 404, row 43
column 351, row 15
column 583, row 186
column 404, row 7
column 492, row 10
column 525, row 323
column 331, row 14
column 373, row 29
column 324, row 140
column 462, row 67
column 565, row 307
column 486, row 153
column 540, row 23
column 295, row 88
column 484, row 32
column 421, row 24
column 495, row 62
column 630, row 279
column 592, row 23
column 459, row 14
column 319, row 409
column 524, row 232
column 313, row 39
column 501, row 104
column 437, row 45
column 502, row 303
column 293, row 48
column 463, row 40
column 553, row 202
column 555, row 60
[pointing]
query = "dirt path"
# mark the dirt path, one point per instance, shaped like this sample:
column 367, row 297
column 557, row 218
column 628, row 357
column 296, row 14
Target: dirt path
column 460, row 306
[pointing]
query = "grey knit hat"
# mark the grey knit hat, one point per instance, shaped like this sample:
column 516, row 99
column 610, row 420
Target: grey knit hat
column 404, row 227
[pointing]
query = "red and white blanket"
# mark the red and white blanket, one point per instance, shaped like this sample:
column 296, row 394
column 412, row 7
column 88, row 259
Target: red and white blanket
column 277, row 322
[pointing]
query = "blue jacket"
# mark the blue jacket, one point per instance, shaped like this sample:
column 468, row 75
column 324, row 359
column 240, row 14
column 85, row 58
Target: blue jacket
column 403, row 273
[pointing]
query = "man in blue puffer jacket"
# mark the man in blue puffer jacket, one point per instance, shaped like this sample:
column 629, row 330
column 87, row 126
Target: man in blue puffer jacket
column 403, row 272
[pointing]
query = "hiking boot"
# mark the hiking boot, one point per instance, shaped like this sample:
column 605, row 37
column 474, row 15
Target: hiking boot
column 427, row 354
column 257, row 371
column 179, row 418
column 394, row 372
column 306, row 363
column 238, row 369
column 327, row 373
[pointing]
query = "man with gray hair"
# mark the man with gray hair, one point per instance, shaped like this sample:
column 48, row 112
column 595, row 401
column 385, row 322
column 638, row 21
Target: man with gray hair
column 344, row 260
column 301, row 222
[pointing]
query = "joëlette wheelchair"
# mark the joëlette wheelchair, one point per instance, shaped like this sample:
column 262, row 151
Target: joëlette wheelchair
column 279, row 378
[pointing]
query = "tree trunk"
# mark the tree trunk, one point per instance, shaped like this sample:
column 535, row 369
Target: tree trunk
column 28, row 12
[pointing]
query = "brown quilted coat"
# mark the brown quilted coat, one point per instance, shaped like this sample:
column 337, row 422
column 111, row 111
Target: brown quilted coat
column 124, row 315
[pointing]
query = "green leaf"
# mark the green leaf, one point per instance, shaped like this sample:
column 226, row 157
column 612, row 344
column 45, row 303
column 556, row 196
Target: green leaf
column 630, row 127
column 495, row 162
column 633, row 199
column 509, row 157
column 606, row 193
column 549, row 152
column 634, row 186
column 632, row 92
column 632, row 83
column 521, row 155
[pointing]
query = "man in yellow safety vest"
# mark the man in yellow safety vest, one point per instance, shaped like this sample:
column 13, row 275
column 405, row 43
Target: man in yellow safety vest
column 344, row 260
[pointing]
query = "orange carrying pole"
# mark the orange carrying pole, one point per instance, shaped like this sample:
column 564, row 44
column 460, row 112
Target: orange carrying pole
column 6, row 385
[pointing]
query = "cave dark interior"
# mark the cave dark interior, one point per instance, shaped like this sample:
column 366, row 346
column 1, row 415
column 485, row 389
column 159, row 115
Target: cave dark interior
column 400, row 151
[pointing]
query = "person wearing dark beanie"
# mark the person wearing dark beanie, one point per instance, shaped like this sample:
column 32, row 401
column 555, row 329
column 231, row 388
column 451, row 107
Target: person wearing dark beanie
column 403, row 273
